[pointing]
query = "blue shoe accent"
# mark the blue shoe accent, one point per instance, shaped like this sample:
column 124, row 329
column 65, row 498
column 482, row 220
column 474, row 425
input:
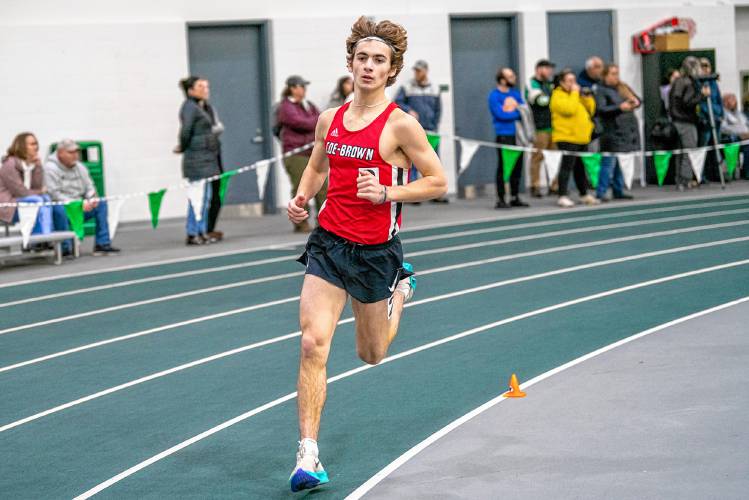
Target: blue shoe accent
column 411, row 279
column 305, row 480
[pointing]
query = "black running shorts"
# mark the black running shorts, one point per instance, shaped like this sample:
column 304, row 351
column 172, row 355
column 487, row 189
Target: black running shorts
column 369, row 273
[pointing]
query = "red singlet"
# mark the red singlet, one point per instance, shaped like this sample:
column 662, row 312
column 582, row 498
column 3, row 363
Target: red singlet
column 349, row 153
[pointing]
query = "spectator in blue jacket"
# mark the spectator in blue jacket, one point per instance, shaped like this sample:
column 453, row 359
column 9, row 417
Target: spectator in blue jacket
column 504, row 102
column 421, row 99
column 591, row 75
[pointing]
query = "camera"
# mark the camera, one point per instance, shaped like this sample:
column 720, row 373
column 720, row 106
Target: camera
column 703, row 79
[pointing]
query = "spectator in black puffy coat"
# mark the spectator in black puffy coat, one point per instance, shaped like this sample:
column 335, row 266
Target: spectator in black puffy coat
column 615, row 106
column 200, row 147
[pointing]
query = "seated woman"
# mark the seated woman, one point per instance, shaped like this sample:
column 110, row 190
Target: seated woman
column 22, row 180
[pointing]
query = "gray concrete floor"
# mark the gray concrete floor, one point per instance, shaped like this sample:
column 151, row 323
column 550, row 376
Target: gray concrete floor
column 141, row 244
column 662, row 417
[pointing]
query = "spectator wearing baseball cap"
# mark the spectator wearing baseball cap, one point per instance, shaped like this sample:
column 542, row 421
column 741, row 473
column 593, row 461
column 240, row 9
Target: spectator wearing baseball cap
column 68, row 179
column 297, row 119
column 538, row 96
column 421, row 99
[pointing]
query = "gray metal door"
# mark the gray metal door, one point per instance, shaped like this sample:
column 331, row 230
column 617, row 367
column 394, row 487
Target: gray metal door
column 575, row 36
column 479, row 46
column 234, row 59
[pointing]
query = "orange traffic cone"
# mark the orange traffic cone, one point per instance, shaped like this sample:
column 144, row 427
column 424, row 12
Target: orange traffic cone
column 514, row 391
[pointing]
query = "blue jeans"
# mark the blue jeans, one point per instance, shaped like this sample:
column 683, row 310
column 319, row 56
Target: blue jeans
column 43, row 223
column 194, row 227
column 609, row 164
column 99, row 214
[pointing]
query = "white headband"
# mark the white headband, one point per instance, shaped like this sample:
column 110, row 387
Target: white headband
column 375, row 39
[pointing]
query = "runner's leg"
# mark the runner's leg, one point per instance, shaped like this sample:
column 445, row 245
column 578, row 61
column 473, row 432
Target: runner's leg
column 374, row 330
column 320, row 308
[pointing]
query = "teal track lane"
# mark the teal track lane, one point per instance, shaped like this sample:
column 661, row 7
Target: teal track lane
column 371, row 417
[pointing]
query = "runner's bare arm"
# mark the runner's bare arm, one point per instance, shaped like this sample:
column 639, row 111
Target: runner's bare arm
column 413, row 142
column 315, row 173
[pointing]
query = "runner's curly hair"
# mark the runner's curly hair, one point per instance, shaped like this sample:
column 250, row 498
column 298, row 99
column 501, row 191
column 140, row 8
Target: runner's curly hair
column 394, row 34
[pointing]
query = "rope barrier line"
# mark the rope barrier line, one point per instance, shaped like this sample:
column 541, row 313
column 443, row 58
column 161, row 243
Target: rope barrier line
column 588, row 153
column 182, row 185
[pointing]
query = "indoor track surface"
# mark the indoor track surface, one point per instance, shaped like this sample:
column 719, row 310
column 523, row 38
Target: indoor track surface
column 178, row 380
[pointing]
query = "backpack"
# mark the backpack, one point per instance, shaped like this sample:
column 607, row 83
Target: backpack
column 525, row 129
column 664, row 133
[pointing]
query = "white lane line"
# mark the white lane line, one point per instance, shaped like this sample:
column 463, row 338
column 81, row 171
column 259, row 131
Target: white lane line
column 597, row 208
column 150, row 279
column 291, row 245
column 568, row 220
column 456, row 248
column 239, row 418
column 150, row 331
column 150, row 301
column 428, row 300
column 408, row 455
column 552, row 222
column 176, row 260
column 575, row 246
column 420, row 273
column 566, row 232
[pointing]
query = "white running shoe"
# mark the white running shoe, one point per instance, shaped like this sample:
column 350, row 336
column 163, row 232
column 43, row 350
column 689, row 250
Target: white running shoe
column 309, row 472
column 590, row 200
column 565, row 202
column 407, row 286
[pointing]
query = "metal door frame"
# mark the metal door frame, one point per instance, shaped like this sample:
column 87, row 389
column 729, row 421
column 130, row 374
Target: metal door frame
column 513, row 17
column 266, row 87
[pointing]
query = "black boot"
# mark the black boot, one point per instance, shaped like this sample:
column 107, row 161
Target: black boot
column 501, row 203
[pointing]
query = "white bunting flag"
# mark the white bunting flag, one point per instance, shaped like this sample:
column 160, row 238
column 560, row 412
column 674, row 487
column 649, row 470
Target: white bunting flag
column 627, row 165
column 27, row 217
column 196, row 195
column 697, row 159
column 262, row 169
column 113, row 215
column 552, row 160
column 467, row 150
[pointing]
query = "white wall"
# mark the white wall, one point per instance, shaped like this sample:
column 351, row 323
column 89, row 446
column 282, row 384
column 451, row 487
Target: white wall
column 108, row 70
column 105, row 82
column 742, row 39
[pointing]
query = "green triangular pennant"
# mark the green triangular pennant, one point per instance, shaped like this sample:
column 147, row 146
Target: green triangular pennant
column 434, row 140
column 661, row 160
column 592, row 163
column 224, row 183
column 74, row 211
column 731, row 154
column 509, row 160
column 154, row 204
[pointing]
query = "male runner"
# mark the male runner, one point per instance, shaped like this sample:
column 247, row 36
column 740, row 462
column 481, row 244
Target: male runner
column 364, row 148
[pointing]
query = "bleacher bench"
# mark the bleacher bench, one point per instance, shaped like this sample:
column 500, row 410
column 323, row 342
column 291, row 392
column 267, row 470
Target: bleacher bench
column 11, row 245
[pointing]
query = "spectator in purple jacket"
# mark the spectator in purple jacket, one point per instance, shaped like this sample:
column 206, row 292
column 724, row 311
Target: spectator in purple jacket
column 297, row 118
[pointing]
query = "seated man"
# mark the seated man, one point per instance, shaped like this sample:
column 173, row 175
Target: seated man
column 68, row 179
